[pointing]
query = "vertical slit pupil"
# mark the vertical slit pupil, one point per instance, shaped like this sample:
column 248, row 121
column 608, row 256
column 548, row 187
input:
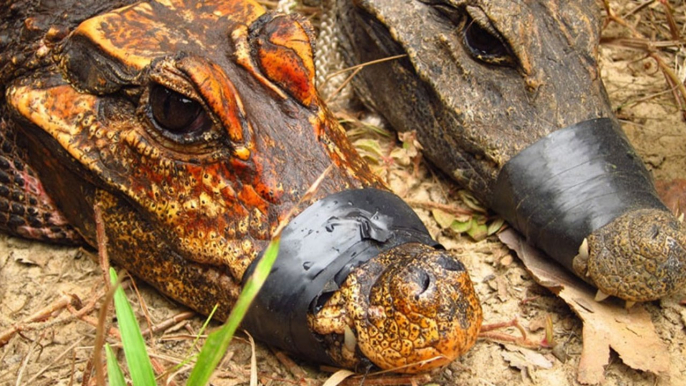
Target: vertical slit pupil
column 172, row 111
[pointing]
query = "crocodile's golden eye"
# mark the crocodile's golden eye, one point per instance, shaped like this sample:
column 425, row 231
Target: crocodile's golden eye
column 176, row 115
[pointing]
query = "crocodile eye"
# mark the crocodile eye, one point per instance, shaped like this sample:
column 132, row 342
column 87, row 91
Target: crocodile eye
column 176, row 115
column 485, row 45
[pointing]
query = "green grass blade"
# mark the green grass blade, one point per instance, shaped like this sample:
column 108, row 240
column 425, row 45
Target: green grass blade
column 134, row 346
column 188, row 356
column 217, row 342
column 114, row 374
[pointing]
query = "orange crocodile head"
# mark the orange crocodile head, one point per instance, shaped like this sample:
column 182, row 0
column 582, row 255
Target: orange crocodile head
column 196, row 127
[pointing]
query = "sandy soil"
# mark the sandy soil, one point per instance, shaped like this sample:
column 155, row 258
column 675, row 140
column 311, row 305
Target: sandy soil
column 57, row 350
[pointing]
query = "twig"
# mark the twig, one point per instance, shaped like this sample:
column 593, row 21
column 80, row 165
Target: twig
column 169, row 322
column 31, row 380
column 486, row 333
column 30, row 323
column 25, row 362
column 355, row 69
column 451, row 209
column 672, row 78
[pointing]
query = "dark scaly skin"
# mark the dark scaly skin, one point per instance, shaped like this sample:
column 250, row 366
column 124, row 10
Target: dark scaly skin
column 473, row 112
column 86, row 103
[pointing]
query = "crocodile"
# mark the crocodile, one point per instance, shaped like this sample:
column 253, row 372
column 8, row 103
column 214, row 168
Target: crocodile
column 195, row 129
column 506, row 98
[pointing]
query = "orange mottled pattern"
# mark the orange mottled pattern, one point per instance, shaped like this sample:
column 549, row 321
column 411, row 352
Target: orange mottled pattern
column 195, row 128
column 413, row 309
column 215, row 201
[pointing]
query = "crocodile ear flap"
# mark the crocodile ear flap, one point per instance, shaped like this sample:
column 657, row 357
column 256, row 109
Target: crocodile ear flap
column 89, row 69
column 282, row 47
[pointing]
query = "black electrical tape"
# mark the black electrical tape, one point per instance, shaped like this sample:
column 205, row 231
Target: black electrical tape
column 571, row 183
column 318, row 249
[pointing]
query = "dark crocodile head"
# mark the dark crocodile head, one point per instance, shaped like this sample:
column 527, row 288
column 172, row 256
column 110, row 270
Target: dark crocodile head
column 486, row 82
column 196, row 128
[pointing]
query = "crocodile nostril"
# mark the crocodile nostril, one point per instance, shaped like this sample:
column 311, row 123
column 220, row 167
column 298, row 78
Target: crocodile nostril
column 449, row 264
column 423, row 280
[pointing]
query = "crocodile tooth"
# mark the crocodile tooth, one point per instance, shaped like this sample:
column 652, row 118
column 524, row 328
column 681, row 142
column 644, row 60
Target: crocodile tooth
column 629, row 304
column 600, row 296
column 681, row 218
column 349, row 339
column 583, row 249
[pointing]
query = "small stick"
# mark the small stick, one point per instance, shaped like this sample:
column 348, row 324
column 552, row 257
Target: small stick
column 169, row 322
column 291, row 366
column 451, row 209
column 42, row 314
column 55, row 360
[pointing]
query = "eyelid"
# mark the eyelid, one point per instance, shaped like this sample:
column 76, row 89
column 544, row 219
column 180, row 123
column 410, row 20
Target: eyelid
column 499, row 54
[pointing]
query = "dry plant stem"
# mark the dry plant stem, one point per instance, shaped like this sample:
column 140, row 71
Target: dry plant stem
column 87, row 373
column 673, row 88
column 146, row 312
column 73, row 368
column 355, row 69
column 639, row 8
column 100, row 334
column 253, row 361
column 174, row 320
column 343, row 84
column 362, row 65
column 31, row 380
column 486, row 333
column 25, row 362
column 101, row 237
column 496, row 326
column 112, row 332
column 504, row 338
column 672, row 77
column 290, row 365
column 30, row 323
column 669, row 14
column 451, row 209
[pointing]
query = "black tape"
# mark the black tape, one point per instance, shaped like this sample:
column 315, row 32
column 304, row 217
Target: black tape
column 571, row 183
column 318, row 249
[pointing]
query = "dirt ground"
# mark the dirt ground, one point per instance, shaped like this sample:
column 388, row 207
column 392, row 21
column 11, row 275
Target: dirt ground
column 56, row 351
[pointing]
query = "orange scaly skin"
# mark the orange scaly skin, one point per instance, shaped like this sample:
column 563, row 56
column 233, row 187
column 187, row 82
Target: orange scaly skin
column 196, row 128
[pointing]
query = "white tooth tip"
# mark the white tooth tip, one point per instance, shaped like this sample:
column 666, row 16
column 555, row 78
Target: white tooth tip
column 583, row 249
column 349, row 339
column 681, row 218
column 629, row 304
column 600, row 296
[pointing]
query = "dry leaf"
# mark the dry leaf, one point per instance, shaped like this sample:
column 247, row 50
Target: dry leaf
column 673, row 194
column 23, row 256
column 338, row 377
column 442, row 218
column 522, row 358
column 606, row 325
column 477, row 231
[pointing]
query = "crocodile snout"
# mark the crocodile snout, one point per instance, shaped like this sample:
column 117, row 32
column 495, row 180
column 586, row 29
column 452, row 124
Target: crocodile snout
column 640, row 256
column 358, row 271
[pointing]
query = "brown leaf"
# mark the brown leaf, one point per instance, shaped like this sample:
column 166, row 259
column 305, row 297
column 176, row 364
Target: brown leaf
column 673, row 194
column 606, row 325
